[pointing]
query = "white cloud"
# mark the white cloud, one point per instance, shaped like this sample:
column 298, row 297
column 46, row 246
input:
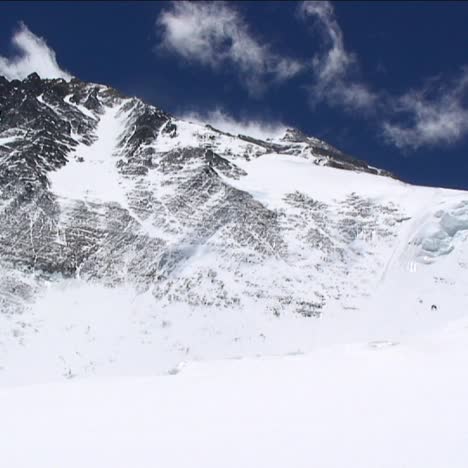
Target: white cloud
column 433, row 116
column 34, row 56
column 334, row 69
column 336, row 61
column 250, row 127
column 213, row 34
column 351, row 95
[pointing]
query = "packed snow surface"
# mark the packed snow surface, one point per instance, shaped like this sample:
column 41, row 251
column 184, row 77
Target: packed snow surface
column 377, row 404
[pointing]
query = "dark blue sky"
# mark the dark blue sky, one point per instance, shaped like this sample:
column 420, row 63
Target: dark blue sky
column 407, row 56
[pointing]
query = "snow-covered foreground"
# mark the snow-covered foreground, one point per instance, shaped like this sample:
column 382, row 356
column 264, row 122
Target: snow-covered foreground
column 356, row 406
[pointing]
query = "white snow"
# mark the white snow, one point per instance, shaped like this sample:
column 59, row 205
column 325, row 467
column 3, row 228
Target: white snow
column 272, row 176
column 442, row 231
column 8, row 139
column 189, row 134
column 91, row 172
column 365, row 405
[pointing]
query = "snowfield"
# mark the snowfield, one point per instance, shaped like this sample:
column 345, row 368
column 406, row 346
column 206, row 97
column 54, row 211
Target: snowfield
column 377, row 404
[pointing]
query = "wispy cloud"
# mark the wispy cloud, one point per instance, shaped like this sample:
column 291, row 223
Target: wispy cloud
column 213, row 34
column 336, row 62
column 335, row 70
column 435, row 115
column 34, row 55
column 255, row 128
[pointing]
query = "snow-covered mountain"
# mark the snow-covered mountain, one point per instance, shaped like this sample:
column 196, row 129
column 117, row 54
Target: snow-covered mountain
column 131, row 240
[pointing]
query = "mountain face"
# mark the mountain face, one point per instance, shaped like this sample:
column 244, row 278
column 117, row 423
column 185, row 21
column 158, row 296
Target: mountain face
column 118, row 220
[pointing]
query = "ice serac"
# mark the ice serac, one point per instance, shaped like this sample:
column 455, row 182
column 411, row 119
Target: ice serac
column 176, row 240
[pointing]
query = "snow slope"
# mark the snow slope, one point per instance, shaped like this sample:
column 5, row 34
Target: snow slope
column 172, row 295
column 90, row 173
column 369, row 405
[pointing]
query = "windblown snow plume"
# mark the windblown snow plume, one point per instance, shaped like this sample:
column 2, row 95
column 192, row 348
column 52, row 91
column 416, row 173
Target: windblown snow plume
column 34, row 56
column 255, row 128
